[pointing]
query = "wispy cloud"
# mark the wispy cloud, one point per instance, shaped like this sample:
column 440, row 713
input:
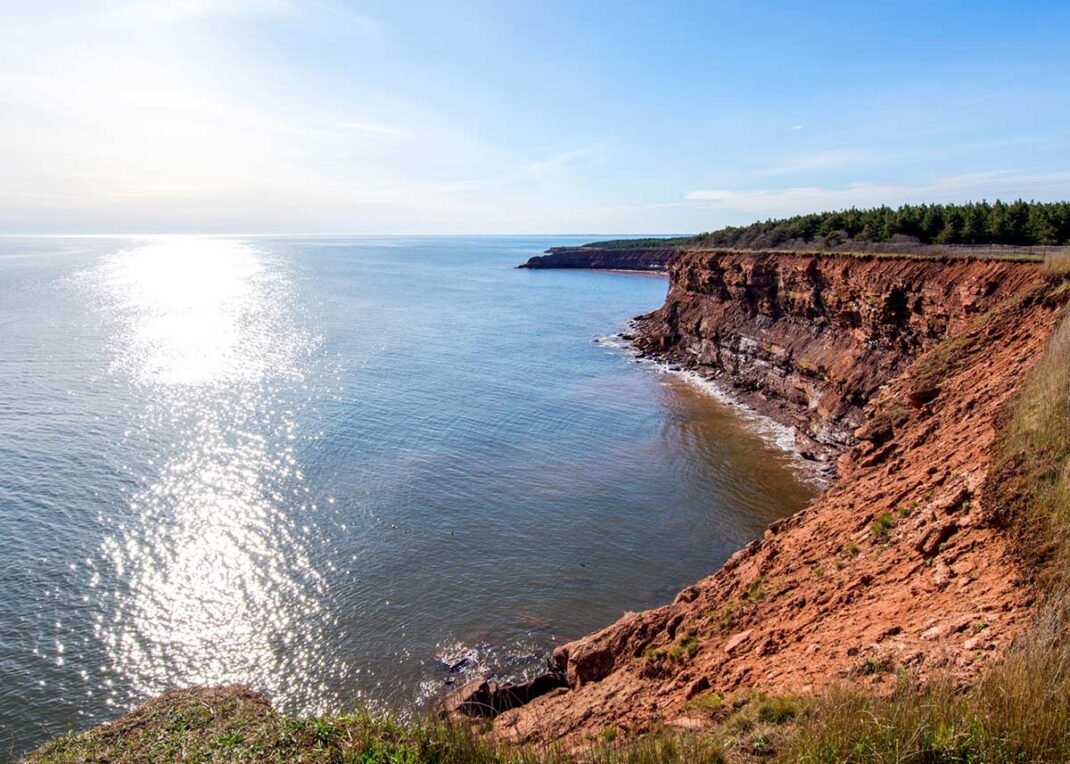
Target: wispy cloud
column 147, row 13
column 797, row 200
column 376, row 128
column 555, row 165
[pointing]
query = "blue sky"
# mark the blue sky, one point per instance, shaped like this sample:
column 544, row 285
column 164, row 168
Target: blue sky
column 501, row 117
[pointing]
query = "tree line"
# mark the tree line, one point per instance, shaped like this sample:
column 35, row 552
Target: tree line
column 1017, row 223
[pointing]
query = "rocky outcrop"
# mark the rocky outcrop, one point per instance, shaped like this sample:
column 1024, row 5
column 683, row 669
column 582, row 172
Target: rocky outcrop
column 904, row 564
column 483, row 698
column 598, row 258
column 808, row 338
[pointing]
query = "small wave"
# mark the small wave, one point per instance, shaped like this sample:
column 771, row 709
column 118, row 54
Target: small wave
column 456, row 663
column 615, row 341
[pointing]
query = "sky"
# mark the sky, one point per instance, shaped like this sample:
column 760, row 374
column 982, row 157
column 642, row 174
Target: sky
column 279, row 116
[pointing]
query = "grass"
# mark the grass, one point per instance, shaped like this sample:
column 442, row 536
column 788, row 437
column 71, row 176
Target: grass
column 686, row 646
column 708, row 701
column 755, row 592
column 1038, row 438
column 759, row 726
column 882, row 525
column 662, row 660
column 1058, row 263
column 231, row 724
column 872, row 666
column 727, row 615
column 1019, row 712
column 779, row 709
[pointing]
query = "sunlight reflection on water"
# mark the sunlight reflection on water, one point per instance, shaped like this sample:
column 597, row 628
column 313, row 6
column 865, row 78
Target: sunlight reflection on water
column 217, row 585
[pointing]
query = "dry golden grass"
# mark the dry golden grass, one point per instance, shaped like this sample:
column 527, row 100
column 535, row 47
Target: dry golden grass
column 1058, row 262
column 1019, row 712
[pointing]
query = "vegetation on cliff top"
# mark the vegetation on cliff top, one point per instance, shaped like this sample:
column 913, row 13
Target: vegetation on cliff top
column 1018, row 223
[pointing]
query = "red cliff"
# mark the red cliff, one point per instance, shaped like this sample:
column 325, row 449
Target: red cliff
column 906, row 563
column 808, row 339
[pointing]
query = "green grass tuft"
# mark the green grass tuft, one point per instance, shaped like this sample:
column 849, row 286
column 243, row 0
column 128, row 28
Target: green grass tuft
column 882, row 525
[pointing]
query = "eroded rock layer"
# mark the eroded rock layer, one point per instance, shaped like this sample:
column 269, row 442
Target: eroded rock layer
column 808, row 339
column 904, row 564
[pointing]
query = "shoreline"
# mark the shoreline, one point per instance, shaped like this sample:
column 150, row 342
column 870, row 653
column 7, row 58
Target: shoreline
column 781, row 436
column 482, row 690
column 490, row 693
column 633, row 271
column 662, row 272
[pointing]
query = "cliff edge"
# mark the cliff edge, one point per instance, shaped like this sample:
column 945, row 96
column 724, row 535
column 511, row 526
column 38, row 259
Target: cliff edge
column 894, row 369
column 808, row 339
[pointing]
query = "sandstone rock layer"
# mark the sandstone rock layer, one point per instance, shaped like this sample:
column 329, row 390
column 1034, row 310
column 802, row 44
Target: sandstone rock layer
column 808, row 339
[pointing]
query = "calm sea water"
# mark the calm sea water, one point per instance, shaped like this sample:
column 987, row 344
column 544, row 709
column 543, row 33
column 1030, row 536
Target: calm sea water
column 338, row 470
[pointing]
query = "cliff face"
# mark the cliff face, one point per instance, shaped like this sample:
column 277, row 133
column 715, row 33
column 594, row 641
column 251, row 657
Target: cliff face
column 905, row 563
column 808, row 339
column 603, row 259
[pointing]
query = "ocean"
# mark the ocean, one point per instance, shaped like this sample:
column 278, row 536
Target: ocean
column 341, row 470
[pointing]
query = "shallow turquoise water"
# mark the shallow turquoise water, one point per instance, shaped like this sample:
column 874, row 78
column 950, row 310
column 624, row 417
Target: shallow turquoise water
column 331, row 468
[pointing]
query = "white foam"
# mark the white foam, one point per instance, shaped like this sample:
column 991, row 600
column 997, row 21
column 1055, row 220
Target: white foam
column 771, row 431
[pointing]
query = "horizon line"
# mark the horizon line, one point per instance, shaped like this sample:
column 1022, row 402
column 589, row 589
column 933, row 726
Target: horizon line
column 41, row 235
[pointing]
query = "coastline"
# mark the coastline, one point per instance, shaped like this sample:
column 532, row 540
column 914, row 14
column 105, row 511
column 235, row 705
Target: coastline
column 890, row 570
column 632, row 271
column 888, row 567
column 652, row 260
column 489, row 694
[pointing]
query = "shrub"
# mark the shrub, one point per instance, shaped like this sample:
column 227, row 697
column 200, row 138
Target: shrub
column 880, row 527
column 779, row 709
column 708, row 701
